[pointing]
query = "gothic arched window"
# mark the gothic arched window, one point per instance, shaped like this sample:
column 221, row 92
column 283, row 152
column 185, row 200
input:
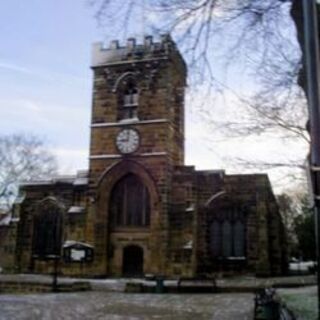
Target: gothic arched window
column 128, row 100
column 47, row 230
column 130, row 202
column 228, row 234
column 215, row 238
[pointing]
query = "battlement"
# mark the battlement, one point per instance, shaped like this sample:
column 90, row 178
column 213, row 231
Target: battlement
column 132, row 51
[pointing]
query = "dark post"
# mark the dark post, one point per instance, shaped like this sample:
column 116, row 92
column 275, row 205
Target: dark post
column 312, row 71
column 55, row 274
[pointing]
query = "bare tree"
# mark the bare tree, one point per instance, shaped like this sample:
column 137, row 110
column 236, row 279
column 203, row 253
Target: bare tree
column 289, row 207
column 298, row 220
column 198, row 26
column 22, row 158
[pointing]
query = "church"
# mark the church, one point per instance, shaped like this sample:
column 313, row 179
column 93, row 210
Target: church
column 139, row 208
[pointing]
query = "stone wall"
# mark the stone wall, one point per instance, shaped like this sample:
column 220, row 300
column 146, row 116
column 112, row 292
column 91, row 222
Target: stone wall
column 8, row 234
column 253, row 195
column 74, row 223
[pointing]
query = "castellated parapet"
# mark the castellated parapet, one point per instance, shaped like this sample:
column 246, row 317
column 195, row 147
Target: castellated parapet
column 132, row 51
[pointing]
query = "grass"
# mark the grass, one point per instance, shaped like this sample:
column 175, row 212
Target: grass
column 303, row 304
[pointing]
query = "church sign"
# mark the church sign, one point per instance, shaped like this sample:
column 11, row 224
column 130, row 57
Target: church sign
column 77, row 252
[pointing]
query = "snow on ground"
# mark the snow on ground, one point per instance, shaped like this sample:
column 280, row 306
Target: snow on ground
column 301, row 301
column 301, row 266
column 122, row 306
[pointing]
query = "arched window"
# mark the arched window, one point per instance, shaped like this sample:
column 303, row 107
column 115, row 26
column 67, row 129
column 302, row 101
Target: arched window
column 239, row 236
column 128, row 100
column 215, row 238
column 130, row 203
column 47, row 230
column 228, row 234
column 227, row 241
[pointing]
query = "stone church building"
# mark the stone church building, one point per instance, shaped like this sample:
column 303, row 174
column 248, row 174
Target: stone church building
column 140, row 208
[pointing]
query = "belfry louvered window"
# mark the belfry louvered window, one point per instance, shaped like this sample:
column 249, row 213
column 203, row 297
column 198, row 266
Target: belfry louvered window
column 228, row 234
column 128, row 100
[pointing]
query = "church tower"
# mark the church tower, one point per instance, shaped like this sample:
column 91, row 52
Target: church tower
column 139, row 208
column 137, row 139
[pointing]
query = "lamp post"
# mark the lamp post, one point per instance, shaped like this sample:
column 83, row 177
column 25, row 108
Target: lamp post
column 312, row 64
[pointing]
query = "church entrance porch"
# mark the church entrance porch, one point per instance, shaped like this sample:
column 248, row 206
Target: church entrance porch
column 132, row 262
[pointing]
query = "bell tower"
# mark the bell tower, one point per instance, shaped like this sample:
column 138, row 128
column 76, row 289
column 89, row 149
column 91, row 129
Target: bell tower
column 138, row 103
column 137, row 127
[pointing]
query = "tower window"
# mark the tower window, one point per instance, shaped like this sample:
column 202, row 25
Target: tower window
column 128, row 101
column 130, row 97
column 130, row 203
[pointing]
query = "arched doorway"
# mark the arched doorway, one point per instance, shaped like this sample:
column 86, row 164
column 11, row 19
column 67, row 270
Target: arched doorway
column 132, row 265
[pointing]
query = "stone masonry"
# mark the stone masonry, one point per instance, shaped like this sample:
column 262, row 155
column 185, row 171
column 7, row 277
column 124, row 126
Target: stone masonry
column 182, row 222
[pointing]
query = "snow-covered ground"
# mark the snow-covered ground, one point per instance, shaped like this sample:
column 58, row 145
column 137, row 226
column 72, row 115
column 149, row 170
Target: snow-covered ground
column 301, row 266
column 122, row 306
column 301, row 301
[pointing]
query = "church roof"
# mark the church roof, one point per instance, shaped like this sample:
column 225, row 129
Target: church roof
column 79, row 179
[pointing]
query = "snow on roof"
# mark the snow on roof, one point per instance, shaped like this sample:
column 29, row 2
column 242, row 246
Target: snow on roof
column 188, row 245
column 81, row 178
column 70, row 243
column 19, row 199
column 190, row 208
column 76, row 209
column 80, row 181
column 5, row 219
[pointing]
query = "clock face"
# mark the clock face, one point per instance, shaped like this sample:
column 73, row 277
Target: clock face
column 127, row 141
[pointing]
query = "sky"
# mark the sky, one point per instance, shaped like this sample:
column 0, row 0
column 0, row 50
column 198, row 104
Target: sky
column 45, row 76
column 46, row 85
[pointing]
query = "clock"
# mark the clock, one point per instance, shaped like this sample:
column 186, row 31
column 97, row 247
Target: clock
column 127, row 141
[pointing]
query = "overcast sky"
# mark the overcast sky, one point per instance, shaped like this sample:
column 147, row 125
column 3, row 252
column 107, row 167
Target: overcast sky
column 46, row 83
